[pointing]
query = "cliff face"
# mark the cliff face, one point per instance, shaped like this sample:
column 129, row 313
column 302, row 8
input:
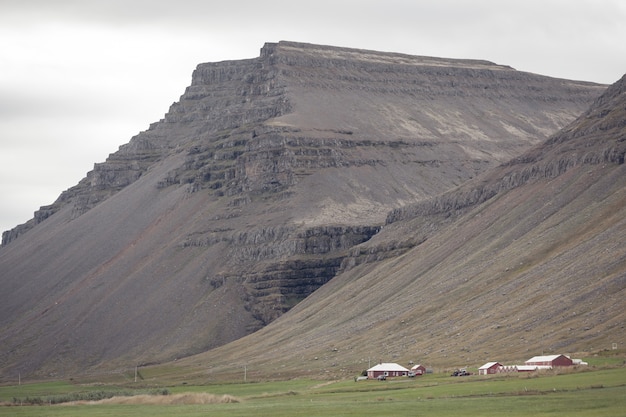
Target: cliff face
column 249, row 195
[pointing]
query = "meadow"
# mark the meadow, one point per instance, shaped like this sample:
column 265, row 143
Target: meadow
column 589, row 393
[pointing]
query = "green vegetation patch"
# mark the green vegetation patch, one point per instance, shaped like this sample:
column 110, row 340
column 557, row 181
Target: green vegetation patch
column 589, row 393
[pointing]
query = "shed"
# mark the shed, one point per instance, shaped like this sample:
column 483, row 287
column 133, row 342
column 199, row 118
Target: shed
column 490, row 368
column 550, row 361
column 386, row 369
column 419, row 369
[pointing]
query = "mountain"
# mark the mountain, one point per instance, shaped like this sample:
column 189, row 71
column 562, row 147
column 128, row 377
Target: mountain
column 257, row 188
column 528, row 257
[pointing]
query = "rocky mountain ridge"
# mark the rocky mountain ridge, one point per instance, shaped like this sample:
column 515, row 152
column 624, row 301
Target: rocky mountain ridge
column 250, row 195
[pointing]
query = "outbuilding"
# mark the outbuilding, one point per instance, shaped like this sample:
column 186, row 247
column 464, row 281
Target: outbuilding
column 418, row 369
column 386, row 369
column 490, row 368
column 550, row 361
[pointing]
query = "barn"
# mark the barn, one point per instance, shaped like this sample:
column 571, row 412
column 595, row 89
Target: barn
column 490, row 368
column 550, row 361
column 418, row 369
column 386, row 369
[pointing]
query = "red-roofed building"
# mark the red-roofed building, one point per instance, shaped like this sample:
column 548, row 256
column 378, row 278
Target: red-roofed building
column 490, row 368
column 419, row 369
column 550, row 361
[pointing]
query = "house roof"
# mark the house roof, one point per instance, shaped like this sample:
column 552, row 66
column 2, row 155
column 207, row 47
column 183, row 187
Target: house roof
column 547, row 358
column 388, row 367
column 489, row 365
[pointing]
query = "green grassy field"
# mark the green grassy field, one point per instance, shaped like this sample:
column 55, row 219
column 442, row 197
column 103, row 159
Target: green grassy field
column 590, row 393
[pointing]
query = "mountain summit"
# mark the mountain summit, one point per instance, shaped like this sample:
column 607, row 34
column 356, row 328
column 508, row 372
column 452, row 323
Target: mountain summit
column 252, row 193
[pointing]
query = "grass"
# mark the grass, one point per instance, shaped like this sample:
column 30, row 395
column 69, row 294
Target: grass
column 590, row 393
column 59, row 393
column 606, row 358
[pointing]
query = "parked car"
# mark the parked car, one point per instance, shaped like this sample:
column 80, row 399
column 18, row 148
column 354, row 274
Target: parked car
column 411, row 374
column 381, row 377
column 460, row 372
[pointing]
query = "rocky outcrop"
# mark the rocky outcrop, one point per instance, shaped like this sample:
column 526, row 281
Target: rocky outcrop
column 290, row 263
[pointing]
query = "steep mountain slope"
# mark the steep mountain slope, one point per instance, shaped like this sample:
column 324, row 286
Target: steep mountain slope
column 250, row 193
column 529, row 257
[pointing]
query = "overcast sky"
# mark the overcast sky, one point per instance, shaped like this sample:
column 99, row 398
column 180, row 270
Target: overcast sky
column 79, row 78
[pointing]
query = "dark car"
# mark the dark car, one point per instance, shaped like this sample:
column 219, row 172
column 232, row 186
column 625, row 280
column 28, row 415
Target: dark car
column 460, row 372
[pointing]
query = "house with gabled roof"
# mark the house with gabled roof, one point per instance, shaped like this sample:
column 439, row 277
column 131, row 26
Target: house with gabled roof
column 490, row 368
column 418, row 369
column 386, row 369
column 549, row 361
